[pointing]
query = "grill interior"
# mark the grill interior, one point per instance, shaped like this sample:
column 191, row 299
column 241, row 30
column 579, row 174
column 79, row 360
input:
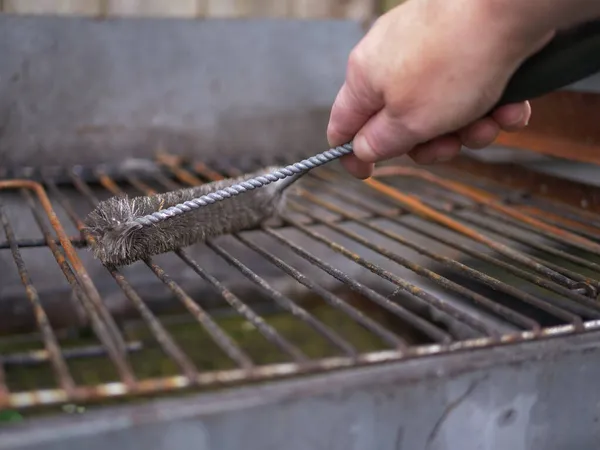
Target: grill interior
column 410, row 263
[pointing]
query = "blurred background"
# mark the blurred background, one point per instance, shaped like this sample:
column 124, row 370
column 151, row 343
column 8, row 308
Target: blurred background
column 354, row 9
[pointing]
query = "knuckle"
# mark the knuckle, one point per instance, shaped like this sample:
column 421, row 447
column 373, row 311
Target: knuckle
column 356, row 59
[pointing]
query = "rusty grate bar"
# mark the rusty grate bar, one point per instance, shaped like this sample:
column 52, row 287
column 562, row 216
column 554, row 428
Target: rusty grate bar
column 578, row 287
column 413, row 204
column 426, row 313
column 38, row 357
column 486, row 221
column 592, row 307
column 283, row 301
column 57, row 360
column 498, row 309
column 576, row 292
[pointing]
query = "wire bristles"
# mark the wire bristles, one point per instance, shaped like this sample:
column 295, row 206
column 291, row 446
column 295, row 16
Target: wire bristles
column 257, row 182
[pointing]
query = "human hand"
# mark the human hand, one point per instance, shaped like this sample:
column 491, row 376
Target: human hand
column 422, row 79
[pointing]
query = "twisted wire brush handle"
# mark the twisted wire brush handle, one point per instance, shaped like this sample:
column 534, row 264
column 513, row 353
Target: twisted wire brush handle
column 248, row 185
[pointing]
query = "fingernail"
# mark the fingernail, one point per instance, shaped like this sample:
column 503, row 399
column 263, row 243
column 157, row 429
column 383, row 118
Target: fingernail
column 518, row 120
column 362, row 149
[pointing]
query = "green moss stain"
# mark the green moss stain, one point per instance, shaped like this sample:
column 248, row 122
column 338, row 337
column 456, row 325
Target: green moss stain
column 197, row 344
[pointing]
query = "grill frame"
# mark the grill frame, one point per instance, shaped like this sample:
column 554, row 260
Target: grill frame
column 427, row 402
column 518, row 386
column 321, row 180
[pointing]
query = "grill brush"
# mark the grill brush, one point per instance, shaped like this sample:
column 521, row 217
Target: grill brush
column 126, row 230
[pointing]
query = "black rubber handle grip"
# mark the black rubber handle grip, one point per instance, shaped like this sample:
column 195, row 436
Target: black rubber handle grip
column 569, row 57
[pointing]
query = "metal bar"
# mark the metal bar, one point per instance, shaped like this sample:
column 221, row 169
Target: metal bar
column 425, row 297
column 217, row 333
column 244, row 310
column 498, row 309
column 61, row 371
column 36, row 357
column 575, row 226
column 84, row 278
column 590, row 285
column 387, row 336
column 489, row 200
column 545, row 248
column 76, row 241
column 266, row 330
column 121, row 361
column 251, row 372
column 331, row 299
column 420, row 324
column 419, row 208
column 175, row 383
column 424, row 326
column 163, row 337
column 98, row 325
column 453, row 210
column 582, row 290
column 172, row 163
column 563, row 210
column 583, row 199
column 483, row 257
column 140, row 185
column 262, row 373
column 298, row 311
column 278, row 298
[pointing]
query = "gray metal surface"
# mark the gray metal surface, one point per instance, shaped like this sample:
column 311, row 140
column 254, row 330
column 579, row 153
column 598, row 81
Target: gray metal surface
column 81, row 90
column 537, row 396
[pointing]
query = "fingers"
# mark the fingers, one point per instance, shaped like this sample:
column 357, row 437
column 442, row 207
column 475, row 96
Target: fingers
column 479, row 134
column 438, row 150
column 483, row 132
column 356, row 167
column 513, row 117
column 354, row 105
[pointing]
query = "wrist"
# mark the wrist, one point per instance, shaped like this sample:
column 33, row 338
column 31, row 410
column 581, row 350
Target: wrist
column 520, row 27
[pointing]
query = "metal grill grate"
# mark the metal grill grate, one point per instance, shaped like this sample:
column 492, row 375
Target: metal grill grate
column 407, row 264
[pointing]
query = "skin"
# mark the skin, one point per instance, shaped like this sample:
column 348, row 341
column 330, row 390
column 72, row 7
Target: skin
column 423, row 78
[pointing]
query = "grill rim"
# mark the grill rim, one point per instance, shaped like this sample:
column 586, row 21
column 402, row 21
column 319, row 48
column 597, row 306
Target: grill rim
column 200, row 406
column 191, row 377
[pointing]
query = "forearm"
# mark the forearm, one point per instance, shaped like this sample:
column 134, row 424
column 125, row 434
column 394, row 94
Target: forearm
column 544, row 15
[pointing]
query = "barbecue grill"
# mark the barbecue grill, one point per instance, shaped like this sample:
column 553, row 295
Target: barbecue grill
column 446, row 307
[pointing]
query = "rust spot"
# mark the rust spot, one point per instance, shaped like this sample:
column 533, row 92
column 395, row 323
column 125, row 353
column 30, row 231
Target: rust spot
column 207, row 172
column 479, row 196
column 71, row 254
column 173, row 164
